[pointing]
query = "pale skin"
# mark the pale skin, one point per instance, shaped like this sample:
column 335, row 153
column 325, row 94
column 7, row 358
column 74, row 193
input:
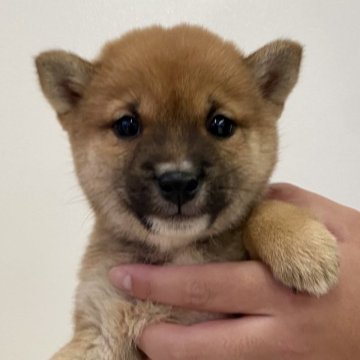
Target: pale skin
column 277, row 323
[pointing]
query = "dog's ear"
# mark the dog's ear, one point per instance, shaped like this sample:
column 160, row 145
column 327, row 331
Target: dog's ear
column 63, row 77
column 276, row 68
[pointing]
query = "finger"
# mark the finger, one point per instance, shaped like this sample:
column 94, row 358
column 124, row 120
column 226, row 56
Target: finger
column 301, row 197
column 247, row 338
column 245, row 287
column 338, row 218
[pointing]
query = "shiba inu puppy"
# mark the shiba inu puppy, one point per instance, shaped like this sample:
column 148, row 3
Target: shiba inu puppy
column 174, row 138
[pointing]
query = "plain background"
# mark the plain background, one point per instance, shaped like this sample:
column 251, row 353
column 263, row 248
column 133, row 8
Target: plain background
column 44, row 218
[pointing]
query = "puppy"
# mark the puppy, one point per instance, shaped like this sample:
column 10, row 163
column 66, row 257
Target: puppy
column 173, row 133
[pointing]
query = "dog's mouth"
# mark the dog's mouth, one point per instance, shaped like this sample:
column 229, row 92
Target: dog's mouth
column 178, row 225
column 175, row 208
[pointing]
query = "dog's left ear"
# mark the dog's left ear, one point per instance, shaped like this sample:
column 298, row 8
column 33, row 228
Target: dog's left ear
column 63, row 78
column 276, row 68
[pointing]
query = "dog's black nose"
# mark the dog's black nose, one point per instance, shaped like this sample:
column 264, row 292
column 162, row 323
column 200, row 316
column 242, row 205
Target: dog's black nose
column 178, row 187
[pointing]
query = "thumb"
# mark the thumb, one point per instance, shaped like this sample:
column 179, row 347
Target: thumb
column 337, row 218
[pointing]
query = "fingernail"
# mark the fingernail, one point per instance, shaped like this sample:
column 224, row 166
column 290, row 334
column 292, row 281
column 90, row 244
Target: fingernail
column 121, row 279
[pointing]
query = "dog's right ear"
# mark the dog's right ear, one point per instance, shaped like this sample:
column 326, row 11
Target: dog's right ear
column 63, row 77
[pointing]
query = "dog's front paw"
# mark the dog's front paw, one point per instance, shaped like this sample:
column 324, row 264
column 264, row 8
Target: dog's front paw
column 308, row 262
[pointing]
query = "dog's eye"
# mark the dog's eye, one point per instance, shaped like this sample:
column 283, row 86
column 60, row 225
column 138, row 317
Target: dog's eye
column 221, row 126
column 126, row 126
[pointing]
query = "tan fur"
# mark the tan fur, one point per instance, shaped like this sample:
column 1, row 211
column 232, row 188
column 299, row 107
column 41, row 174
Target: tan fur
column 290, row 261
column 170, row 78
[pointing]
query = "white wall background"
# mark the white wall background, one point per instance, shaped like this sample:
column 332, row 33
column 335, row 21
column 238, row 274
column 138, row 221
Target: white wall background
column 44, row 220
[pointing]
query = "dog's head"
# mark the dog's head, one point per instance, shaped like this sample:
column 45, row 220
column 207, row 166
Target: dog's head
column 173, row 131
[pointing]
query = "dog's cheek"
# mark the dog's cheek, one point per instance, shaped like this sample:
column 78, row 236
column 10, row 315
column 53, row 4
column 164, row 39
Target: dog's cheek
column 218, row 190
column 138, row 192
column 244, row 168
column 139, row 180
column 96, row 166
column 262, row 155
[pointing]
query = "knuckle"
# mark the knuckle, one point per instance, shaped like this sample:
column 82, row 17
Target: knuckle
column 180, row 352
column 143, row 290
column 148, row 290
column 290, row 350
column 249, row 344
column 228, row 346
column 294, row 344
column 197, row 294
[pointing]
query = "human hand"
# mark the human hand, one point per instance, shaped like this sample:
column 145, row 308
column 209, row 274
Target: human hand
column 277, row 324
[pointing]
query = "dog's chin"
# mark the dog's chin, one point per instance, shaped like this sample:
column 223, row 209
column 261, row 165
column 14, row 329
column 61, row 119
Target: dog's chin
column 178, row 226
column 177, row 231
